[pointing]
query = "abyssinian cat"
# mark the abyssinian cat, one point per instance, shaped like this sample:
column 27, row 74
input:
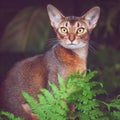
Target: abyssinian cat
column 69, row 55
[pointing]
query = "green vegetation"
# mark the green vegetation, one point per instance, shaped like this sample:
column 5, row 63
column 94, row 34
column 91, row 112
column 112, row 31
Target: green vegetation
column 8, row 116
column 75, row 98
column 27, row 32
column 107, row 62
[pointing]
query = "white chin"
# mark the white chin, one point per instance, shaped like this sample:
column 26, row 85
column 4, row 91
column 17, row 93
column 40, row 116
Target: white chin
column 72, row 46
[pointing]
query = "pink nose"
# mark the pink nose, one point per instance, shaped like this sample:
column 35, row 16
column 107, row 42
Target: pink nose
column 71, row 37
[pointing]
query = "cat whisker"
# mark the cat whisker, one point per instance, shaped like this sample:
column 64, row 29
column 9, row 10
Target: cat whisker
column 85, row 42
column 93, row 43
column 92, row 47
column 51, row 42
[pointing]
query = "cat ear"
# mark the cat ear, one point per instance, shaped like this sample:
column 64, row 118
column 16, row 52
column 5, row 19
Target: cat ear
column 55, row 15
column 91, row 17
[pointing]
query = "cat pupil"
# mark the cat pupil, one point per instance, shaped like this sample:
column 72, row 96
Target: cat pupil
column 67, row 56
column 81, row 30
column 64, row 30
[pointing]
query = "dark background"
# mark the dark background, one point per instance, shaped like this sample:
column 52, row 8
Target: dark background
column 109, row 9
column 105, row 36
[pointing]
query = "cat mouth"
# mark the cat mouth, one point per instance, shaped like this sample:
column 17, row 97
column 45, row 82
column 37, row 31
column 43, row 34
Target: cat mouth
column 74, row 45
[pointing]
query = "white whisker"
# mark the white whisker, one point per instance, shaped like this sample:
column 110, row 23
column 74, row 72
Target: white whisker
column 93, row 47
column 52, row 41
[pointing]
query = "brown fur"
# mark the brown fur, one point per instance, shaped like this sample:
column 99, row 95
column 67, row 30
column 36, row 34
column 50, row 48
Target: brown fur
column 64, row 58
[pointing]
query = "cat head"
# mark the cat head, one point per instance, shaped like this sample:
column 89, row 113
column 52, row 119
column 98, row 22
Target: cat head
column 73, row 32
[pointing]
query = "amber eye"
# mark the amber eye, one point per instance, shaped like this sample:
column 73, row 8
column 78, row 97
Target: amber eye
column 64, row 30
column 80, row 30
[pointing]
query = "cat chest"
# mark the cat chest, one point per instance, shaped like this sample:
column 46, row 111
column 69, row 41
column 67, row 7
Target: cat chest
column 69, row 66
column 69, row 61
column 66, row 70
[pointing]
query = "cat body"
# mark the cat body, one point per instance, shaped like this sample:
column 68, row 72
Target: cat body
column 69, row 55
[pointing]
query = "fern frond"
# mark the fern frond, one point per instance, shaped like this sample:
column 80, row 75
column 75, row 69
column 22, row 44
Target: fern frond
column 9, row 116
column 52, row 105
column 79, row 91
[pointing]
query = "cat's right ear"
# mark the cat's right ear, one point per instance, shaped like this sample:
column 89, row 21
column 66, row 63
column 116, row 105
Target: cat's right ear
column 92, row 16
column 55, row 15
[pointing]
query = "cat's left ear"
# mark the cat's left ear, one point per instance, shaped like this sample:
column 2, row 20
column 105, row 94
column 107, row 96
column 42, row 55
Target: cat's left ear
column 92, row 16
column 55, row 15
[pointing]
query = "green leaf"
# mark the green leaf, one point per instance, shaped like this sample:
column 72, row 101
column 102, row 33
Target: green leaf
column 79, row 91
column 61, row 83
column 10, row 116
column 90, row 75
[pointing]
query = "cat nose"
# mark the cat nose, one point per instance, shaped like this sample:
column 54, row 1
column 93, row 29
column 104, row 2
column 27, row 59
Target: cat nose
column 71, row 37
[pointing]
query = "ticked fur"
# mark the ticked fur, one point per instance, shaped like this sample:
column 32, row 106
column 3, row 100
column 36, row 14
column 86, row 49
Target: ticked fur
column 69, row 55
column 73, row 32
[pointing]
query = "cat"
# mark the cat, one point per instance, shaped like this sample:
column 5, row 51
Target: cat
column 67, row 56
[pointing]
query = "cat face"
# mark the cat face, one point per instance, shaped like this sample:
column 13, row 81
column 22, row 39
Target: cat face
column 73, row 32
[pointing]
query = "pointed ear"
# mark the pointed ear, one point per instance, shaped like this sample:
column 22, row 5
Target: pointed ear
column 91, row 17
column 55, row 15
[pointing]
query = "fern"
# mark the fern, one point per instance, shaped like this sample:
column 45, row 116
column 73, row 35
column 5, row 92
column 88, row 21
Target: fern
column 51, row 105
column 73, row 99
column 8, row 116
column 54, row 105
column 80, row 93
column 84, row 99
column 113, row 108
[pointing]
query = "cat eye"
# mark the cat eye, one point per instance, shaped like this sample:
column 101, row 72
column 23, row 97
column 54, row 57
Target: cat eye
column 64, row 30
column 80, row 30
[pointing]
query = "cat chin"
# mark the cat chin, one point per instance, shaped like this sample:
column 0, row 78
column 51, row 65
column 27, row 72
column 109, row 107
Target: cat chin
column 72, row 47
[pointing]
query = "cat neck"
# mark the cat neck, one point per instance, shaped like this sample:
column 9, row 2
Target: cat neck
column 81, row 53
column 72, row 60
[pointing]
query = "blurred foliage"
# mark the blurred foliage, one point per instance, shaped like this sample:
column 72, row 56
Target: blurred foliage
column 107, row 62
column 8, row 116
column 28, row 31
column 108, row 28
